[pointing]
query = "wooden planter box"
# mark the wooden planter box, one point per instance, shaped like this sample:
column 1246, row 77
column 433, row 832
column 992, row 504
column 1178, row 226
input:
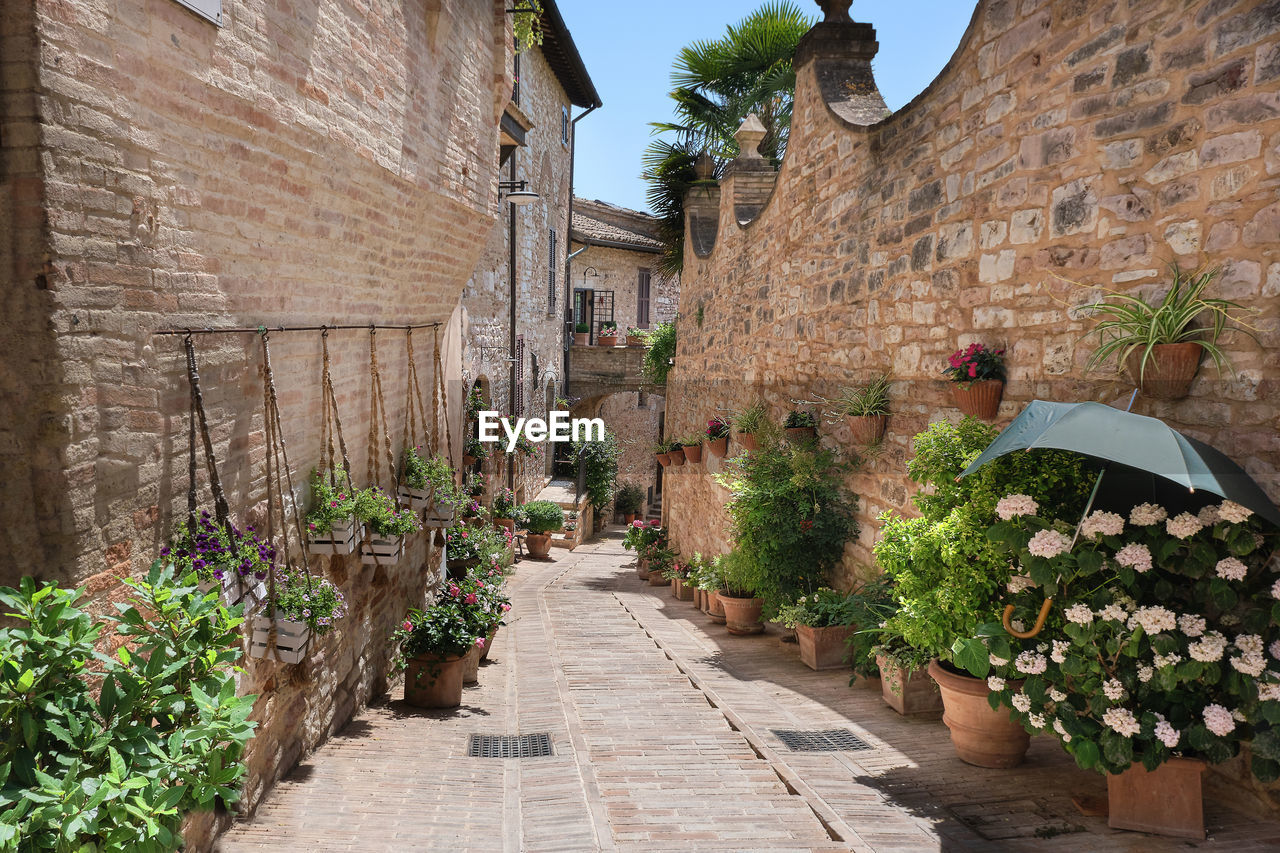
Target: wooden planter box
column 823, row 648
column 680, row 589
column 292, row 639
column 1166, row 801
column 437, row 515
column 415, row 499
column 230, row 590
column 381, row 552
column 341, row 538
column 912, row 693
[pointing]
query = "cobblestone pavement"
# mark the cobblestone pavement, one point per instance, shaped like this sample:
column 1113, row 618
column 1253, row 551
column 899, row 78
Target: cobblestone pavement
column 662, row 726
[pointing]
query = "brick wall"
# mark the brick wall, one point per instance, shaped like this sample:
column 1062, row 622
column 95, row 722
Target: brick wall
column 618, row 270
column 335, row 164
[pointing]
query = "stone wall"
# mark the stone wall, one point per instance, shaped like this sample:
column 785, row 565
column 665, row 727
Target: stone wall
column 618, row 270
column 336, row 164
column 635, row 419
column 1067, row 143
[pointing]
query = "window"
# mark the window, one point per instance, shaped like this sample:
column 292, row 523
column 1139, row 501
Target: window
column 515, row 88
column 642, row 300
column 551, row 274
column 564, row 125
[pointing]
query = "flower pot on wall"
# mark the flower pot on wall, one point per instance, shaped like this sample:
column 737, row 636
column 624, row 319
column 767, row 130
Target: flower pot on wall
column 677, row 457
column 539, row 544
column 801, row 434
column 910, row 692
column 415, row 499
column 379, row 551
column 718, row 447
column 748, row 441
column 340, row 538
column 1170, row 369
column 742, row 615
column 292, row 639
column 607, row 341
column 434, row 682
column 867, row 429
column 635, row 341
column 581, row 339
column 982, row 736
column 823, row 648
column 693, row 453
column 1166, row 801
column 979, row 399
column 664, row 459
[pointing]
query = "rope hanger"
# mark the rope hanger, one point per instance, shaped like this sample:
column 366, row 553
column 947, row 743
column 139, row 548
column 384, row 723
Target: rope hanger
column 378, row 415
column 330, row 424
column 413, row 403
column 222, row 513
column 277, row 458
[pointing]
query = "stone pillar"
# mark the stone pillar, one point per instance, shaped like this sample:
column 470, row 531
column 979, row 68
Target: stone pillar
column 749, row 179
column 840, row 52
column 702, row 209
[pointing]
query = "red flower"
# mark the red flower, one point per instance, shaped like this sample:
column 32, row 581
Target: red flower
column 973, row 370
column 408, row 626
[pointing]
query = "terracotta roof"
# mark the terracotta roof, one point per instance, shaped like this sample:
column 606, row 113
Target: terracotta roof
column 603, row 224
column 565, row 61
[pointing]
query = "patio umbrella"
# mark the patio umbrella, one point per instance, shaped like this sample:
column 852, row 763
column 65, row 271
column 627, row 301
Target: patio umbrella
column 1144, row 459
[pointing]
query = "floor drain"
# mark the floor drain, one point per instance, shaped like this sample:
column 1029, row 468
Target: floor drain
column 510, row 746
column 827, row 740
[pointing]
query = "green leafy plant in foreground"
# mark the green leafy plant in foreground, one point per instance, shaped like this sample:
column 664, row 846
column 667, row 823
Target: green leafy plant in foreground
column 660, row 348
column 117, row 768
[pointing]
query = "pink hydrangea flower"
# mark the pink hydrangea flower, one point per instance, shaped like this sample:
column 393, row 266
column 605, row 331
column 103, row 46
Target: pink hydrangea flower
column 1218, row 720
column 1183, row 525
column 1136, row 556
column 1231, row 569
column 1048, row 544
column 1012, row 506
column 1101, row 523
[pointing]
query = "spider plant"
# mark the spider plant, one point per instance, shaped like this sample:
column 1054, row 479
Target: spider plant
column 752, row 418
column 862, row 400
column 1132, row 323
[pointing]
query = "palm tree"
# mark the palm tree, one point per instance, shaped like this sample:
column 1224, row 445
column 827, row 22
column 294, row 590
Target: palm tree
column 718, row 83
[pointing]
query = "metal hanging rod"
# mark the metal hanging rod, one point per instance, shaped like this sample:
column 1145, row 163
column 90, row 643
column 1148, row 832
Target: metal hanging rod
column 257, row 330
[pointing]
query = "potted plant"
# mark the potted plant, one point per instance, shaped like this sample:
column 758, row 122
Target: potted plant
column 709, row 577
column 582, row 334
column 865, row 408
column 978, row 376
column 640, row 537
column 801, row 426
column 948, row 576
column 1161, row 344
column 661, row 557
column 628, row 501
column 869, row 606
column 505, row 509
column 1155, row 655
column 433, row 644
column 415, row 480
column 662, row 452
column 675, row 450
column 233, row 562
column 742, row 607
column 678, row 574
column 718, row 437
column 905, row 685
column 749, row 422
column 386, row 526
column 540, row 519
column 692, row 447
column 823, row 622
column 303, row 606
column 608, row 336
column 331, row 524
column 474, row 451
column 636, row 336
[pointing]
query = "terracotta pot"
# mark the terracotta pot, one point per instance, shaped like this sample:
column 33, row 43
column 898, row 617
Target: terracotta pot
column 488, row 646
column 642, row 568
column 434, row 682
column 867, row 429
column 748, row 441
column 982, row 736
column 581, row 339
column 693, row 453
column 664, row 459
column 635, row 341
column 677, row 457
column 718, row 447
column 823, row 648
column 1170, row 369
column 1165, row 801
column 467, row 460
column 507, row 523
column 980, row 399
column 606, row 340
column 656, row 579
column 909, row 692
column 742, row 615
column 539, row 544
column 715, row 607
column 471, row 666
column 800, row 434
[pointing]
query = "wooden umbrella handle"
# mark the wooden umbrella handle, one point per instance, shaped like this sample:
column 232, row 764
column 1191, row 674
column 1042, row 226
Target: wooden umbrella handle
column 1039, row 626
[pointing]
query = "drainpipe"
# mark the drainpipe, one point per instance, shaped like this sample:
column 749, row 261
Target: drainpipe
column 569, row 256
column 511, row 338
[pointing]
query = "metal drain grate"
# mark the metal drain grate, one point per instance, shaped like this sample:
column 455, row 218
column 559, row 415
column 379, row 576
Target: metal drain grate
column 827, row 740
column 510, row 746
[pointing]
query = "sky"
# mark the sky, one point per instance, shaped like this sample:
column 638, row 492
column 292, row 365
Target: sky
column 628, row 48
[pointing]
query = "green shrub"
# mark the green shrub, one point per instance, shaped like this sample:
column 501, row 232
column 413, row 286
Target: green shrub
column 380, row 511
column 629, row 499
column 542, row 517
column 598, row 462
column 660, row 348
column 108, row 753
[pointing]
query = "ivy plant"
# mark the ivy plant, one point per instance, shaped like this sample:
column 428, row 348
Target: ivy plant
column 660, row 348
column 598, row 461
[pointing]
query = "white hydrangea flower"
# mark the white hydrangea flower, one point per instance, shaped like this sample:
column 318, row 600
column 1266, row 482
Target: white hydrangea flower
column 1274, row 648
column 1167, row 734
column 1208, row 516
column 1113, row 689
column 1147, row 514
column 1191, row 624
column 1018, row 625
column 1037, row 721
column 1184, row 525
column 1022, row 702
column 1208, row 648
column 1101, row 523
column 1231, row 569
column 1048, row 544
column 1218, row 720
column 1082, row 615
column 1269, row 692
column 1136, row 556
column 1161, row 661
column 1013, row 506
column 1154, row 619
column 1249, row 663
column 1018, row 583
column 1059, row 653
column 1113, row 612
column 1121, row 721
column 1145, row 673
column 995, row 661
column 995, row 683
column 1057, row 695
column 1248, row 643
column 1233, row 512
column 1061, row 730
column 1031, row 663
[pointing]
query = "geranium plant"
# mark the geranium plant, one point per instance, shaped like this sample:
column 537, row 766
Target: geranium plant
column 309, row 599
column 445, row 629
column 330, row 501
column 208, row 551
column 975, row 363
column 1161, row 638
column 717, row 428
column 379, row 510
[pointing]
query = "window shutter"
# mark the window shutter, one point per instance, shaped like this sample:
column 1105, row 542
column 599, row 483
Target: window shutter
column 642, row 299
column 551, row 275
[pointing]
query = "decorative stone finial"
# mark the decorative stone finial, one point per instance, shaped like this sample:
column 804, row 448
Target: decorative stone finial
column 750, row 134
column 704, row 167
column 837, row 11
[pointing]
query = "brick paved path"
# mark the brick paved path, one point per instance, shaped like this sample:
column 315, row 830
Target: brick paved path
column 662, row 728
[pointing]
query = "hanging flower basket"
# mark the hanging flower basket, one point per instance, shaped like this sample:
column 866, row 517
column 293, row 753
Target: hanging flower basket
column 439, row 515
column 231, row 589
column 378, row 551
column 1169, row 371
column 340, row 538
column 693, row 453
column 292, row 639
column 415, row 499
column 979, row 399
column 867, row 429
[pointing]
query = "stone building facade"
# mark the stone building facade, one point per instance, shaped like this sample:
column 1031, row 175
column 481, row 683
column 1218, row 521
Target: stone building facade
column 1066, row 143
column 337, row 165
column 552, row 81
column 616, row 277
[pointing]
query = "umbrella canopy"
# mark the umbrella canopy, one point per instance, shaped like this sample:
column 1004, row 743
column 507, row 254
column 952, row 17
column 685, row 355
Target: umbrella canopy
column 1151, row 456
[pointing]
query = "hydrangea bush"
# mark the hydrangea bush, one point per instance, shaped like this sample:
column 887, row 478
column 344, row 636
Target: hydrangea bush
column 1161, row 639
